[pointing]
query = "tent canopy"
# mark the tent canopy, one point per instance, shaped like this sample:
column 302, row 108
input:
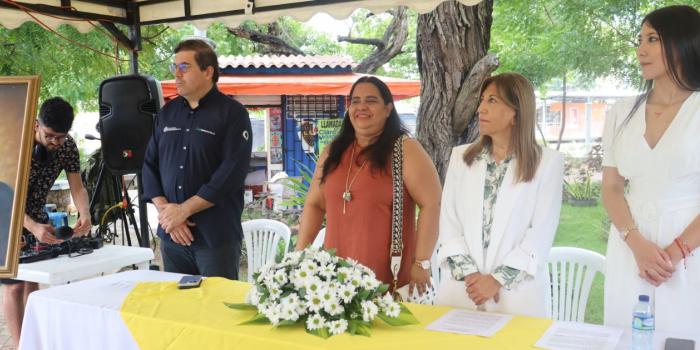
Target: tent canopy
column 299, row 84
column 200, row 13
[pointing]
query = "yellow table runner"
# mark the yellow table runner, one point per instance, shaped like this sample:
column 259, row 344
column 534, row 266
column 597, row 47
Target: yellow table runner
column 160, row 316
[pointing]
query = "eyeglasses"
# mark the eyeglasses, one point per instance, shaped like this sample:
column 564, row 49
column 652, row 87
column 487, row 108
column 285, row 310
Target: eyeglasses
column 59, row 139
column 54, row 138
column 183, row 67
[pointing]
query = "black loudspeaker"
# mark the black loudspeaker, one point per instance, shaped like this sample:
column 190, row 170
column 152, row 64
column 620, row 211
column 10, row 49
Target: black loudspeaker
column 128, row 105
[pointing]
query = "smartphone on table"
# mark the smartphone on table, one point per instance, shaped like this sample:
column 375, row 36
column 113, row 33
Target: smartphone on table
column 189, row 281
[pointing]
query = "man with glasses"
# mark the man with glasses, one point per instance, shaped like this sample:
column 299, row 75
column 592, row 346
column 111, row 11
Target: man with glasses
column 195, row 168
column 53, row 152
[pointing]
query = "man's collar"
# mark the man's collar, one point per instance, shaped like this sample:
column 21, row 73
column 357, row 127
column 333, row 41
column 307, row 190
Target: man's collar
column 204, row 100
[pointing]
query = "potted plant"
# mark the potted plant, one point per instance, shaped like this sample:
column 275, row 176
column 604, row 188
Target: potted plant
column 579, row 187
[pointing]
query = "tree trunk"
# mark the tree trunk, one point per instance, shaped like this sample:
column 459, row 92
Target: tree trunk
column 563, row 112
column 452, row 44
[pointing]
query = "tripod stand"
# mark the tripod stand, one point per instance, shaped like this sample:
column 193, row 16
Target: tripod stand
column 123, row 209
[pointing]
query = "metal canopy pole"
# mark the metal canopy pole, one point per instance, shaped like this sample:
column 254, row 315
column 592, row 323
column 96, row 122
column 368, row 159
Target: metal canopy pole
column 135, row 37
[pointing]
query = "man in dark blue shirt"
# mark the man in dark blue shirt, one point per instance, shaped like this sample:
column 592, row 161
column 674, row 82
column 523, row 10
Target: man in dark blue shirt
column 195, row 168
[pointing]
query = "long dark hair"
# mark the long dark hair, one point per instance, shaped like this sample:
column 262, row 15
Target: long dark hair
column 678, row 28
column 379, row 152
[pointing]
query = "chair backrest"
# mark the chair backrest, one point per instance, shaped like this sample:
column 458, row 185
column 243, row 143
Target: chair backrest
column 435, row 269
column 262, row 237
column 320, row 238
column 571, row 272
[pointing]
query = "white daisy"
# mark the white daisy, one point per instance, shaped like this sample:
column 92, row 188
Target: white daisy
column 369, row 310
column 337, row 327
column 315, row 321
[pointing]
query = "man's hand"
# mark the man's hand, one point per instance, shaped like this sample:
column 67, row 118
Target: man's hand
column 182, row 234
column 44, row 233
column 172, row 215
column 82, row 226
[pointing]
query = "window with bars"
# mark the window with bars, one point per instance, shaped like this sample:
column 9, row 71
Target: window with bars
column 302, row 113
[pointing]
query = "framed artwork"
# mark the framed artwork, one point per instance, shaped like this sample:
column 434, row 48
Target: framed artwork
column 18, row 107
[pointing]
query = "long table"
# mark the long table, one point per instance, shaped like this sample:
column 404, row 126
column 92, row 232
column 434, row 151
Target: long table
column 65, row 269
column 108, row 313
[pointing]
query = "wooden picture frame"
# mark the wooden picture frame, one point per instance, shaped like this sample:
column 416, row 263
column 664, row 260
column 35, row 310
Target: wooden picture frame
column 18, row 106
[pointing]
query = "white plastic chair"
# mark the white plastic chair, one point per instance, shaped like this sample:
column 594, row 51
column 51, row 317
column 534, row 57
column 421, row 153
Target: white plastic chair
column 571, row 272
column 262, row 237
column 320, row 238
column 435, row 269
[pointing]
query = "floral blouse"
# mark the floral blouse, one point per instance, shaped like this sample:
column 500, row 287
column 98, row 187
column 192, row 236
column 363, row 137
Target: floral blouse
column 463, row 265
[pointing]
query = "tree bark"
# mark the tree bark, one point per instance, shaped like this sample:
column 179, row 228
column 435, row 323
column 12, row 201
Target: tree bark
column 388, row 47
column 563, row 112
column 275, row 44
column 452, row 44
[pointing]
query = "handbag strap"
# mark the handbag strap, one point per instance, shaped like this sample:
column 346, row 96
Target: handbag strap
column 397, row 209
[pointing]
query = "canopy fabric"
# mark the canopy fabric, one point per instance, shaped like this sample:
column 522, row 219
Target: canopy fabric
column 299, row 84
column 200, row 13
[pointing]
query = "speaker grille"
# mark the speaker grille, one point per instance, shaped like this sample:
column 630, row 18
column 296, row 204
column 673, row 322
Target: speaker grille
column 127, row 108
column 105, row 110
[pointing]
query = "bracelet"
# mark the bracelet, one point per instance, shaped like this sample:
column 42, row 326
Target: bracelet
column 685, row 250
column 626, row 233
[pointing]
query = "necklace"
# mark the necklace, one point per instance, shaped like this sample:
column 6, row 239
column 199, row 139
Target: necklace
column 662, row 108
column 347, row 196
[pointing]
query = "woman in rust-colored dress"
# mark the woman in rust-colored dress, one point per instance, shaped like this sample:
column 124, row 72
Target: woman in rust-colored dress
column 352, row 188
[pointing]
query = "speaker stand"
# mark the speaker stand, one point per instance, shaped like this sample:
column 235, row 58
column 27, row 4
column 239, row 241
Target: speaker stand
column 125, row 214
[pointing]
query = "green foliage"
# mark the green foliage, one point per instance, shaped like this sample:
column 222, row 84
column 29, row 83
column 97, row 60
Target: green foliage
column 544, row 40
column 300, row 185
column 368, row 25
column 582, row 190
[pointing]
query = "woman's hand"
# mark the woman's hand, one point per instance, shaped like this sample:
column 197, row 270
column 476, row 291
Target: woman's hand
column 420, row 280
column 654, row 263
column 674, row 253
column 481, row 288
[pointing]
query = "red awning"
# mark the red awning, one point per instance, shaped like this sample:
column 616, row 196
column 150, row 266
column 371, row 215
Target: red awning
column 299, row 84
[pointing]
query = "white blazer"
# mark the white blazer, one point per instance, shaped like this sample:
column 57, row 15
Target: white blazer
column 525, row 221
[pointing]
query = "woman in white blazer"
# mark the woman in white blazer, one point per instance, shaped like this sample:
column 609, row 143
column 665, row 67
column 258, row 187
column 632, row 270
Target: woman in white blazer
column 500, row 207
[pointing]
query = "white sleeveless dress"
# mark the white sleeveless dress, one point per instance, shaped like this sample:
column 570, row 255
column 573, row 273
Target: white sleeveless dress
column 664, row 198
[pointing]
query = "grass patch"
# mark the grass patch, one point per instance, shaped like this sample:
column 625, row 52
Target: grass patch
column 587, row 228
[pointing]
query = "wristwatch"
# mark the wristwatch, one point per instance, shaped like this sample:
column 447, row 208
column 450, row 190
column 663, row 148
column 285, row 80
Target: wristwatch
column 423, row 264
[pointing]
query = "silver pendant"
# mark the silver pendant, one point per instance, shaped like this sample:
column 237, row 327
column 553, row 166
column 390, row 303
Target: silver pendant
column 347, row 196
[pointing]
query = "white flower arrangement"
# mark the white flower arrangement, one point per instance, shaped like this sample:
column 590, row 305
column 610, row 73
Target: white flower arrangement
column 327, row 294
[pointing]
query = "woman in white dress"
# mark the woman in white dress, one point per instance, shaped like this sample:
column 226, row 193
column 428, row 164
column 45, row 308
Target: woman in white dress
column 653, row 142
column 500, row 207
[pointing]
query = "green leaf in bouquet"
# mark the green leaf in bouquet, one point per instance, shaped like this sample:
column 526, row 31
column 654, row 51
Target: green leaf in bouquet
column 259, row 318
column 382, row 289
column 341, row 277
column 364, row 294
column 286, row 323
column 343, row 263
column 359, row 327
column 331, row 251
column 405, row 317
column 321, row 332
column 241, row 306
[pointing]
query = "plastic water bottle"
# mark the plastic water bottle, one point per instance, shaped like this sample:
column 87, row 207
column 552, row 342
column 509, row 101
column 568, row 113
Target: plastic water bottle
column 642, row 325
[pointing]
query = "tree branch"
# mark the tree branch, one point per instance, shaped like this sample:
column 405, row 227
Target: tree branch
column 467, row 99
column 276, row 45
column 393, row 40
column 363, row 41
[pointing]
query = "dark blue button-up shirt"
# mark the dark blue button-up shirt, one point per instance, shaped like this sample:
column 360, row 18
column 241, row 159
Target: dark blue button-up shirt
column 206, row 152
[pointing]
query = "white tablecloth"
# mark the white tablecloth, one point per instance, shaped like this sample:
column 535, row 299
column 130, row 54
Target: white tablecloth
column 63, row 269
column 85, row 314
